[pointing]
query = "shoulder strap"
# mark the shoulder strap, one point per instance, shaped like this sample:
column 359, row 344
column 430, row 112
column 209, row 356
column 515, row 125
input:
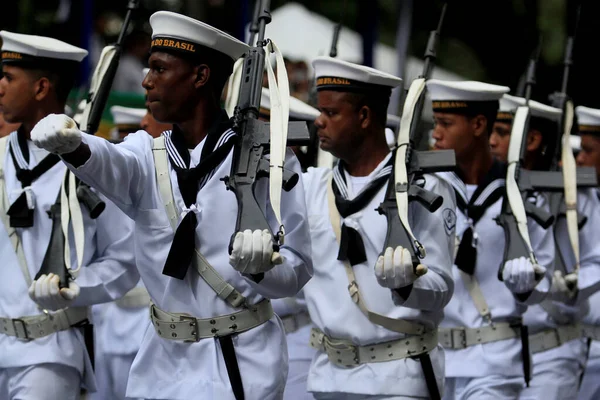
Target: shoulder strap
column 12, row 232
column 163, row 180
column 395, row 325
column 222, row 288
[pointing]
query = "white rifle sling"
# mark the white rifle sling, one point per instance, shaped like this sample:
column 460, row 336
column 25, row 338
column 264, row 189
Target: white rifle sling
column 70, row 211
column 400, row 173
column 279, row 92
column 569, row 170
column 395, row 325
column 512, row 188
column 106, row 57
column 233, row 87
column 4, row 205
column 223, row 289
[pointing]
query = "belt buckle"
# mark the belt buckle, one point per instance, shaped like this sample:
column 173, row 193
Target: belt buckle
column 337, row 347
column 458, row 337
column 22, row 332
column 195, row 328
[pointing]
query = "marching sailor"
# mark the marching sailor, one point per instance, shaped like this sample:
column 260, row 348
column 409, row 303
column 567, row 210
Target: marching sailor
column 375, row 318
column 555, row 340
column 588, row 120
column 215, row 335
column 43, row 355
column 482, row 331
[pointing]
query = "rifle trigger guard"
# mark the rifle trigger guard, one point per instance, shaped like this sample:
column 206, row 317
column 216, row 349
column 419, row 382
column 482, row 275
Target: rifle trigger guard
column 280, row 236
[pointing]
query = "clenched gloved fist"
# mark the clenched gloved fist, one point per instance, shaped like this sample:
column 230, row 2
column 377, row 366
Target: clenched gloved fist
column 564, row 285
column 56, row 133
column 253, row 252
column 519, row 275
column 46, row 293
column 394, row 269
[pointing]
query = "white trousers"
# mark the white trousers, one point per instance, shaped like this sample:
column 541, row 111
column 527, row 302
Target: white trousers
column 556, row 379
column 300, row 355
column 40, row 382
column 112, row 372
column 493, row 387
column 353, row 396
column 590, row 385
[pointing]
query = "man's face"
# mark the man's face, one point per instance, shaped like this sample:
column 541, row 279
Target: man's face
column 17, row 94
column 453, row 132
column 339, row 123
column 5, row 127
column 500, row 139
column 171, row 94
column 589, row 156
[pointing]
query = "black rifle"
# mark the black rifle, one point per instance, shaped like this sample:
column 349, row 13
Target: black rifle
column 54, row 261
column 418, row 163
column 249, row 162
column 585, row 177
column 516, row 245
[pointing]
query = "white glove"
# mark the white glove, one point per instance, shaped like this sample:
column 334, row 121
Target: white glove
column 519, row 275
column 45, row 292
column 253, row 252
column 56, row 133
column 564, row 285
column 394, row 269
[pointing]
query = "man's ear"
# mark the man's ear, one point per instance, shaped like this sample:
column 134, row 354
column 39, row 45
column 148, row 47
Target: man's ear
column 365, row 116
column 534, row 140
column 479, row 123
column 202, row 73
column 41, row 88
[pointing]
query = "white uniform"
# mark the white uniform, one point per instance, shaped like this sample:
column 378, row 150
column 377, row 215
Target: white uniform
column 300, row 354
column 108, row 273
column 471, row 370
column 590, row 387
column 334, row 312
column 556, row 372
column 118, row 334
column 171, row 369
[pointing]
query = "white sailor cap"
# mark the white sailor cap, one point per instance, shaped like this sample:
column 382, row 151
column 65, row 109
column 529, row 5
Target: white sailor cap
column 509, row 104
column 464, row 96
column 185, row 36
column 127, row 118
column 335, row 74
column 18, row 48
column 588, row 120
column 299, row 110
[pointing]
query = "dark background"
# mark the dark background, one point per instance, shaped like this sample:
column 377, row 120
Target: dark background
column 481, row 40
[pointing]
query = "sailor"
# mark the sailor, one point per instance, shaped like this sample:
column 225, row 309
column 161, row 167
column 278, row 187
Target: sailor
column 215, row 334
column 292, row 310
column 375, row 318
column 500, row 137
column 555, row 339
column 43, row 354
column 482, row 326
column 119, row 326
column 588, row 120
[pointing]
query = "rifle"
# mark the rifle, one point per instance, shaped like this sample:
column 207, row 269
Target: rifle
column 249, row 162
column 513, row 217
column 564, row 204
column 102, row 79
column 406, row 183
